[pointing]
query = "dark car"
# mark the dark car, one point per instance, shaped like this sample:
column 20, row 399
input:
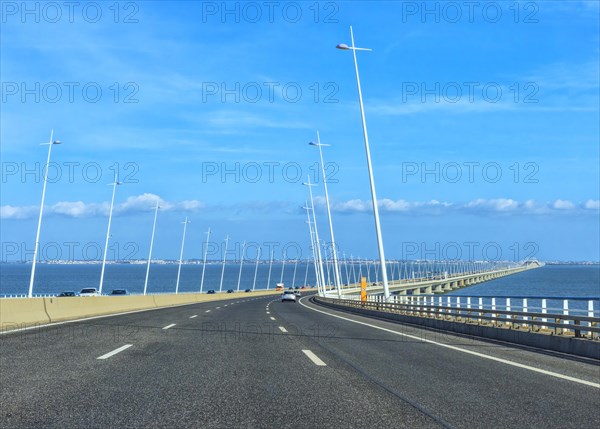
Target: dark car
column 247, row 290
column 229, row 290
column 211, row 291
column 67, row 293
column 119, row 292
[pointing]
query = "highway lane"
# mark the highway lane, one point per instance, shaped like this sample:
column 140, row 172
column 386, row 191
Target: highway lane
column 463, row 389
column 210, row 365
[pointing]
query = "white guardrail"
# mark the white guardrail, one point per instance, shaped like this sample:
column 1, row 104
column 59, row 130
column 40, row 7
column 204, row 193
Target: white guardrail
column 575, row 316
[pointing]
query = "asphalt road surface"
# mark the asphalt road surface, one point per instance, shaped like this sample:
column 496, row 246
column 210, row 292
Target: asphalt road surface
column 260, row 363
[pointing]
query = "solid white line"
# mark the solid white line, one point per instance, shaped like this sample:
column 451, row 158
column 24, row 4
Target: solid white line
column 481, row 355
column 282, row 329
column 272, row 318
column 315, row 359
column 115, row 351
column 195, row 315
column 169, row 326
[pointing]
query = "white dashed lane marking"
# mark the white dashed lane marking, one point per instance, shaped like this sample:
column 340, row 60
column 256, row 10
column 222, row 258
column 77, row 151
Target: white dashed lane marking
column 314, row 358
column 114, row 352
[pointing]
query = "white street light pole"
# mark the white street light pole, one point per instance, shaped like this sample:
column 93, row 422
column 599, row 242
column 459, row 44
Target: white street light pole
column 204, row 262
column 306, row 274
column 270, row 266
column 223, row 269
column 282, row 269
column 336, row 270
column 241, row 263
column 317, row 243
column 256, row 268
column 185, row 222
column 151, row 243
column 346, row 269
column 314, row 252
column 327, row 263
column 360, row 276
column 112, row 204
column 294, row 276
column 37, row 234
column 386, row 290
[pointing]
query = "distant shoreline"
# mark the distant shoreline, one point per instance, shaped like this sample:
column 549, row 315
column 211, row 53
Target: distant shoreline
column 233, row 261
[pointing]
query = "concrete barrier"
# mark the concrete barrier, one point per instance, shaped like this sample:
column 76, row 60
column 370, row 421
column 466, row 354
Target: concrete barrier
column 15, row 312
column 18, row 313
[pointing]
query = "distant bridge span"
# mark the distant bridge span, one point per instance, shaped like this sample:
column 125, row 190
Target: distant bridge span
column 440, row 284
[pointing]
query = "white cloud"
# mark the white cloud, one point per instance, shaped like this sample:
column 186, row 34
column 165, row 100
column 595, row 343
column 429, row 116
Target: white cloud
column 563, row 205
column 497, row 204
column 477, row 206
column 592, row 205
column 141, row 203
column 23, row 212
column 146, row 202
column 190, row 205
column 79, row 209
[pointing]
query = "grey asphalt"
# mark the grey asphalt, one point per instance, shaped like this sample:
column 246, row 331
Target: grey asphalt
column 234, row 367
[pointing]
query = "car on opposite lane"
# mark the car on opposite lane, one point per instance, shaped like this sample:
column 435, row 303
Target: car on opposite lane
column 89, row 291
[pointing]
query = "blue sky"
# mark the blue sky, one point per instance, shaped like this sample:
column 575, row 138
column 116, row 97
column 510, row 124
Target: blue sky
column 483, row 126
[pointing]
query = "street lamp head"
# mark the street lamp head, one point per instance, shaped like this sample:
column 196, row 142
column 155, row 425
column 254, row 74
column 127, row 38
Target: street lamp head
column 56, row 142
column 313, row 144
column 343, row 47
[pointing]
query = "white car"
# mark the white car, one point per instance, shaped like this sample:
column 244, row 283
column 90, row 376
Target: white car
column 89, row 291
column 288, row 296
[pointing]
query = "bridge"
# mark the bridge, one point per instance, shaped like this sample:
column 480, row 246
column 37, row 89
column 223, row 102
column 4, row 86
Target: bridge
column 255, row 362
column 441, row 283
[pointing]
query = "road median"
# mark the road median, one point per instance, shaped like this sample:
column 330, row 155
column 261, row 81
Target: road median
column 19, row 313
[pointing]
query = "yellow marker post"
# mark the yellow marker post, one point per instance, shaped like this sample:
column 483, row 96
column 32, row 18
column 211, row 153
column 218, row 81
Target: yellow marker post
column 363, row 289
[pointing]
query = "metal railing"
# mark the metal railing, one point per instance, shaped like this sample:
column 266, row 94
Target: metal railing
column 578, row 317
